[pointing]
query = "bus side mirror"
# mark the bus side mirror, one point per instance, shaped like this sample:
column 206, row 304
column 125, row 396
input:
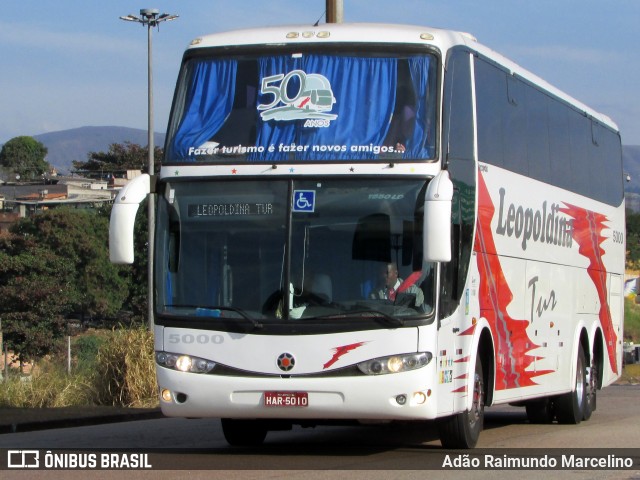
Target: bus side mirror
column 123, row 217
column 437, row 219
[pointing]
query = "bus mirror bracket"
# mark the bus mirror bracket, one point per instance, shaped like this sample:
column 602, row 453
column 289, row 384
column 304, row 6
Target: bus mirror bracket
column 437, row 218
column 123, row 216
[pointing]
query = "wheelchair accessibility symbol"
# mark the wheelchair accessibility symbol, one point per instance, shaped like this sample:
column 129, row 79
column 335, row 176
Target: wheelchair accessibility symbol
column 304, row 200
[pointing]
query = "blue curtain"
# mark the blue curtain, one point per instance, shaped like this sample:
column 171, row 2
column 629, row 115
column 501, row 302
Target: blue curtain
column 365, row 89
column 419, row 145
column 274, row 132
column 209, row 101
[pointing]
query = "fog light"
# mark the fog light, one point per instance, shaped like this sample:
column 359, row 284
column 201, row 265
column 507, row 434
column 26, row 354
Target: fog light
column 419, row 398
column 401, row 399
column 166, row 395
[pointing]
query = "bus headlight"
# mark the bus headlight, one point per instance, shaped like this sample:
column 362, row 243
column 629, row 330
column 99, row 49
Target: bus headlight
column 184, row 363
column 395, row 363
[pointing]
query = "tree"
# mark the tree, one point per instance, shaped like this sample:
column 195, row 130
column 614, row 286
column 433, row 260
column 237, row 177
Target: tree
column 137, row 273
column 24, row 156
column 138, row 291
column 79, row 237
column 633, row 240
column 33, row 304
column 119, row 158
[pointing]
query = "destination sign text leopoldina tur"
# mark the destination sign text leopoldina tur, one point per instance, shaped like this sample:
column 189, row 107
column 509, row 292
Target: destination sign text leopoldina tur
column 229, row 209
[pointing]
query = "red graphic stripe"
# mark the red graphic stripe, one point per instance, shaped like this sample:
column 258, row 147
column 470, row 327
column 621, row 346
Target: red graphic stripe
column 510, row 334
column 542, row 372
column 587, row 232
column 469, row 331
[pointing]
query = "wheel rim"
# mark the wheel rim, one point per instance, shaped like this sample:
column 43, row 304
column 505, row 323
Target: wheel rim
column 593, row 377
column 478, row 401
column 580, row 381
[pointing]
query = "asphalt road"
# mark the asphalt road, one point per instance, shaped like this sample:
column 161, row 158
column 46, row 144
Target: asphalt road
column 372, row 451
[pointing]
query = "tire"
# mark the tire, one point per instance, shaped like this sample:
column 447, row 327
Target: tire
column 591, row 386
column 463, row 429
column 243, row 433
column 572, row 407
column 540, row 411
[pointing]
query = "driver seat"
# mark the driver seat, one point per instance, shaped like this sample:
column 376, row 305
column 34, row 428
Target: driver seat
column 322, row 286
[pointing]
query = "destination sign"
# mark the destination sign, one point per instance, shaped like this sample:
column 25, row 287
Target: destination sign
column 229, row 209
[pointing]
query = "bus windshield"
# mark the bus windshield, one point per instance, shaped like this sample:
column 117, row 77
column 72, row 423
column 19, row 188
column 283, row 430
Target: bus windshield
column 304, row 107
column 322, row 250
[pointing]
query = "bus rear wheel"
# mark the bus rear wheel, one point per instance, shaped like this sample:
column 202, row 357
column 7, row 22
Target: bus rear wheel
column 243, row 433
column 463, row 429
column 591, row 386
column 572, row 407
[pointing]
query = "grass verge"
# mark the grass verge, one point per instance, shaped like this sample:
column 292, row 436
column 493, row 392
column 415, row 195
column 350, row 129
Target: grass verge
column 119, row 373
column 630, row 374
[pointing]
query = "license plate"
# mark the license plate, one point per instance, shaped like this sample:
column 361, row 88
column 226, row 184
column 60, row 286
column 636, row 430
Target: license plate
column 286, row 399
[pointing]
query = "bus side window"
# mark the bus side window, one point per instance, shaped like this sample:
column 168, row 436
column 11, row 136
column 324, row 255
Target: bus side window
column 459, row 154
column 450, row 290
column 458, row 108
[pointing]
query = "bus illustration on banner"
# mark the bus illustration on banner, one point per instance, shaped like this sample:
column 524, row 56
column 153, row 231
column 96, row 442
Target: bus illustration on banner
column 314, row 96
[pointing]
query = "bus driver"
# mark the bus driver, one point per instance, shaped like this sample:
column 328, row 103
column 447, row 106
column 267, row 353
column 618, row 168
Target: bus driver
column 393, row 285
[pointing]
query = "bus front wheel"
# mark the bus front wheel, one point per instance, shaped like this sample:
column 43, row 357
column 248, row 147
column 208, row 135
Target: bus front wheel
column 463, row 429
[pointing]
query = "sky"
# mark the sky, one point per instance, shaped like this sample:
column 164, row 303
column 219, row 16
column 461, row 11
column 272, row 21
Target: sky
column 74, row 63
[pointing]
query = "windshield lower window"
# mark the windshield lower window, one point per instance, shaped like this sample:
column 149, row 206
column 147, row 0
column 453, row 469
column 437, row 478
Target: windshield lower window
column 304, row 107
column 292, row 251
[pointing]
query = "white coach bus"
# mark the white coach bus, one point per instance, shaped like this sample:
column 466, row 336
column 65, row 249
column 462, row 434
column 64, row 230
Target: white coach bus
column 374, row 223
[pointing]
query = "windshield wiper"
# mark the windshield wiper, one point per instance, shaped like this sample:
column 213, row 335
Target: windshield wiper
column 375, row 314
column 215, row 311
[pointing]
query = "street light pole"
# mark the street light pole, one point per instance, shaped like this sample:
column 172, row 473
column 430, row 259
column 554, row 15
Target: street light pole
column 150, row 17
column 335, row 11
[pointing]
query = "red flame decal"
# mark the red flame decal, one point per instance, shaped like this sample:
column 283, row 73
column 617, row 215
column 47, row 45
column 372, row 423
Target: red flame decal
column 587, row 232
column 510, row 334
column 340, row 351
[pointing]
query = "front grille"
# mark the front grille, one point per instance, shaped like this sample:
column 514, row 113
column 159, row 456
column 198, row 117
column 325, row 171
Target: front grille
column 223, row 370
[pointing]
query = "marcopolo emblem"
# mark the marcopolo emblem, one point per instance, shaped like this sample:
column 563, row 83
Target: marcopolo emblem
column 286, row 362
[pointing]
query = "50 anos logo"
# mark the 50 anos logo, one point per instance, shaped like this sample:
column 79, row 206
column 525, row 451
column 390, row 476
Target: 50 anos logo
column 298, row 95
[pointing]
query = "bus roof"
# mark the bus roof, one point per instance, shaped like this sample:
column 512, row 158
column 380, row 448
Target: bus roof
column 363, row 33
column 333, row 33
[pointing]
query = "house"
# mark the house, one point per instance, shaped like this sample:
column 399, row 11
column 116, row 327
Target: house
column 21, row 199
